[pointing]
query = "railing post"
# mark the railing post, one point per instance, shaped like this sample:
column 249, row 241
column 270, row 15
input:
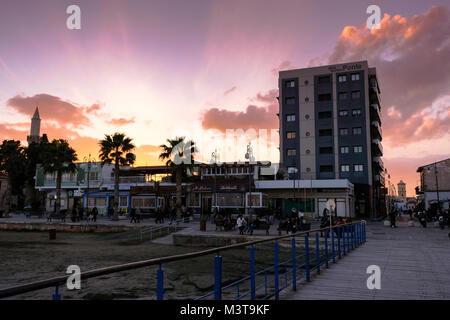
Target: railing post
column 352, row 239
column 307, row 258
column 56, row 295
column 317, row 253
column 339, row 242
column 333, row 255
column 252, row 273
column 326, row 249
column 349, row 235
column 294, row 266
column 364, row 226
column 218, row 277
column 275, row 253
column 343, row 239
column 160, row 283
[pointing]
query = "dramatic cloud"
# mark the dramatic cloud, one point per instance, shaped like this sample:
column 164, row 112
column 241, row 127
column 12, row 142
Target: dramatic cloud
column 53, row 108
column 254, row 117
column 120, row 122
column 412, row 57
column 285, row 65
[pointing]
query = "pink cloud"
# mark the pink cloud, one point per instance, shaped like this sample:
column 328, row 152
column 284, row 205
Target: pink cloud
column 254, row 117
column 412, row 57
column 120, row 121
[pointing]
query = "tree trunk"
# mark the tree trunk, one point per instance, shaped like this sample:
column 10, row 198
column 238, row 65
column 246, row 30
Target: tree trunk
column 179, row 193
column 116, row 191
column 7, row 198
column 58, row 192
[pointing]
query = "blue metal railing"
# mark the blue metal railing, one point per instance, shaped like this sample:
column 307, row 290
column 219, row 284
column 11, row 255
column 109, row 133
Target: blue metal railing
column 270, row 280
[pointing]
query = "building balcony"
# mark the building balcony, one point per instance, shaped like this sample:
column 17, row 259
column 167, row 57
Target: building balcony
column 375, row 113
column 377, row 132
column 374, row 95
column 378, row 163
column 377, row 147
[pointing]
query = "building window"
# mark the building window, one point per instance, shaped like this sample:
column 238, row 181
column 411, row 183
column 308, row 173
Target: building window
column 343, row 113
column 356, row 94
column 342, row 95
column 326, row 150
column 290, row 84
column 355, row 76
column 342, row 78
column 357, row 149
column 325, row 132
column 325, row 115
column 356, row 112
column 343, row 131
column 324, row 79
column 290, row 100
column 345, row 168
column 357, row 131
column 290, row 134
column 326, row 168
column 344, row 149
column 290, row 117
column 291, row 152
column 358, row 168
column 324, row 97
column 123, row 201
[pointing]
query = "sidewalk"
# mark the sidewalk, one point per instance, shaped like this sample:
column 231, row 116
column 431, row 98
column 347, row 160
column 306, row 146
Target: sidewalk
column 414, row 263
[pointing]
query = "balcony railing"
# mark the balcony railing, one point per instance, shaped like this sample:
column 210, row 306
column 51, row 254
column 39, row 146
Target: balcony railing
column 378, row 145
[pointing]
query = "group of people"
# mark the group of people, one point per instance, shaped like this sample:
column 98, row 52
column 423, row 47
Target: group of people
column 78, row 214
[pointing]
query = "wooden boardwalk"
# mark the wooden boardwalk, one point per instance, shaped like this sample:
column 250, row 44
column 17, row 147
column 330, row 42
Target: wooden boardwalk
column 414, row 263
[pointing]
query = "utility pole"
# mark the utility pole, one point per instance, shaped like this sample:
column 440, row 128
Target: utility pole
column 437, row 186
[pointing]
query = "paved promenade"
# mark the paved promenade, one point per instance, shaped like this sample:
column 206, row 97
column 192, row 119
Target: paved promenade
column 414, row 263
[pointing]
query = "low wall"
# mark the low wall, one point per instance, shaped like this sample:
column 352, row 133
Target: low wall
column 35, row 226
column 209, row 240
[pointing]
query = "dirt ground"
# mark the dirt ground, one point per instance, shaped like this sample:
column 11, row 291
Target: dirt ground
column 30, row 256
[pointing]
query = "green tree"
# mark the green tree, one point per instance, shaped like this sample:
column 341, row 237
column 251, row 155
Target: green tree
column 13, row 163
column 34, row 155
column 117, row 148
column 58, row 158
column 179, row 154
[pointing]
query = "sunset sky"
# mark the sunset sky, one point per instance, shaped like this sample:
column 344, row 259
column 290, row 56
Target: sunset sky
column 157, row 69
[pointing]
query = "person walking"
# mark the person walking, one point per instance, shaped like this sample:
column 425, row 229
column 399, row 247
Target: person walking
column 173, row 216
column 240, row 222
column 94, row 214
column 133, row 215
column 393, row 215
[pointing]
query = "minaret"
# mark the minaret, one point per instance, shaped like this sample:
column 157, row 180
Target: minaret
column 35, row 128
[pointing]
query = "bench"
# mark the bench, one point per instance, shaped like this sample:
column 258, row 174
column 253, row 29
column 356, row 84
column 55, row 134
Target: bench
column 61, row 216
column 261, row 225
column 29, row 214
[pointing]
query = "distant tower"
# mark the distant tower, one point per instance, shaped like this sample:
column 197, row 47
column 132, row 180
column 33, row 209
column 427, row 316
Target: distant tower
column 35, row 128
column 401, row 191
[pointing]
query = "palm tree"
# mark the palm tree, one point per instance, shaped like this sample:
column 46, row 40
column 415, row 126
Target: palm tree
column 59, row 158
column 117, row 148
column 179, row 154
column 12, row 162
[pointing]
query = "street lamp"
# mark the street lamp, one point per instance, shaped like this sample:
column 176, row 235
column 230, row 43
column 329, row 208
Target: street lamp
column 88, row 159
column 251, row 158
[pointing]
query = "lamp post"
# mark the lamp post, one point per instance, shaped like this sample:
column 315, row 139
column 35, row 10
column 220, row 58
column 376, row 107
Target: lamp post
column 437, row 187
column 88, row 159
column 249, row 156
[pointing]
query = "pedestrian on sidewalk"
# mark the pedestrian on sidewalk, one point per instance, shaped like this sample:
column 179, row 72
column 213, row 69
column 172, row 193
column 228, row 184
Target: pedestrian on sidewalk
column 240, row 222
column 94, row 214
column 393, row 215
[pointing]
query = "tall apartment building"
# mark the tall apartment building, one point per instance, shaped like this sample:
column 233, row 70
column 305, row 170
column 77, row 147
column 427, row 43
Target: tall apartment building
column 330, row 128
